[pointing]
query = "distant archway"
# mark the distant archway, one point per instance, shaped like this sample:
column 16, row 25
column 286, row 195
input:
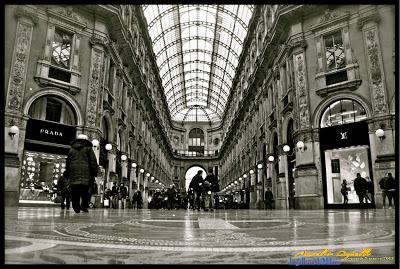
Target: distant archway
column 191, row 172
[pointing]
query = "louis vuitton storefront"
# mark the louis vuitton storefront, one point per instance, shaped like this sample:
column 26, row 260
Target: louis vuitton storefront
column 345, row 151
column 49, row 131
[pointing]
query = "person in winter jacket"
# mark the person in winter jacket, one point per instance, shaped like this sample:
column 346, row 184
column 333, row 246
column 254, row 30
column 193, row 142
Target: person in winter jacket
column 81, row 168
column 197, row 185
column 213, row 188
column 64, row 188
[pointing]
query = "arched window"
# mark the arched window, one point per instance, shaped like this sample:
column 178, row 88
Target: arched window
column 104, row 129
column 196, row 141
column 342, row 112
column 53, row 108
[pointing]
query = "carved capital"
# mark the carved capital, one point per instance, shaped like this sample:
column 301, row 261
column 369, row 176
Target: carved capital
column 28, row 12
column 372, row 15
column 98, row 40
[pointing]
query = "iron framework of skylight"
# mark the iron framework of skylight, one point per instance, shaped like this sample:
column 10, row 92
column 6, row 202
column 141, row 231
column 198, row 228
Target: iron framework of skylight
column 197, row 50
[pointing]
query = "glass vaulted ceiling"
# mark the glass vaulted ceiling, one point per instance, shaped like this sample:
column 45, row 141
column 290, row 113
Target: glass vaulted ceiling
column 197, row 50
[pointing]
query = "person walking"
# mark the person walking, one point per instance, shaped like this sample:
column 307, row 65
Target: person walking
column 114, row 196
column 81, row 168
column 269, row 198
column 64, row 189
column 388, row 187
column 122, row 194
column 171, row 193
column 197, row 185
column 345, row 191
column 214, row 188
column 139, row 199
column 369, row 187
column 360, row 186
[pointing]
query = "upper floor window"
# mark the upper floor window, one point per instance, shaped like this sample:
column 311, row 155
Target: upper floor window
column 334, row 51
column 52, row 109
column 61, row 48
column 342, row 112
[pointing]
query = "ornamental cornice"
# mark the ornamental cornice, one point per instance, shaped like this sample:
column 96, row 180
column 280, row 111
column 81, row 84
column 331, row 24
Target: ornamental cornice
column 28, row 12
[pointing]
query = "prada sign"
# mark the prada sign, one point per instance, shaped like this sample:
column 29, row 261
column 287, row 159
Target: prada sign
column 48, row 131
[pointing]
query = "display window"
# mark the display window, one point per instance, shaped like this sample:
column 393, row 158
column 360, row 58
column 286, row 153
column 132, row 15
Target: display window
column 344, row 164
column 39, row 175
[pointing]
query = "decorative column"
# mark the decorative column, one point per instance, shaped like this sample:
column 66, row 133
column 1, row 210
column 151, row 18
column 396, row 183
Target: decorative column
column 14, row 144
column 308, row 184
column 259, row 187
column 132, row 178
column 382, row 148
column 253, row 193
column 146, row 191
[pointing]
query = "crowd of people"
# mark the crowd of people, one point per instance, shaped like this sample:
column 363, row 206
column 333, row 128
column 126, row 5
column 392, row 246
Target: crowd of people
column 77, row 185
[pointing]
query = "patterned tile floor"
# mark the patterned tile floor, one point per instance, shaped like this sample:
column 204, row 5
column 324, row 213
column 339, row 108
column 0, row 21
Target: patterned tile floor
column 127, row 236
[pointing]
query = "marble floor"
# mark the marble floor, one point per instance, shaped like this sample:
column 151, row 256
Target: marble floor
column 126, row 236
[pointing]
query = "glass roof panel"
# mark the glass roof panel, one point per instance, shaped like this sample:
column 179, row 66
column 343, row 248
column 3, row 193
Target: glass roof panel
column 197, row 50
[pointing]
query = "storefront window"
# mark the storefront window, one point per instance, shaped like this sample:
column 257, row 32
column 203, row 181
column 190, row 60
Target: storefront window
column 40, row 172
column 344, row 164
column 342, row 112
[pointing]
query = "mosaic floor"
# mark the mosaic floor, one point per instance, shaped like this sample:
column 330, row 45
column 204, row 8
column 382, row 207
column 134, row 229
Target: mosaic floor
column 127, row 236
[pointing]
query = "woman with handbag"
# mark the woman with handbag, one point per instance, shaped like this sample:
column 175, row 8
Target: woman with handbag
column 81, row 168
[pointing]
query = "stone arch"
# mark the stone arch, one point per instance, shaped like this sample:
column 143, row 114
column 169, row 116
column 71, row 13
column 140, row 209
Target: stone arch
column 322, row 106
column 107, row 116
column 122, row 136
column 54, row 91
column 285, row 125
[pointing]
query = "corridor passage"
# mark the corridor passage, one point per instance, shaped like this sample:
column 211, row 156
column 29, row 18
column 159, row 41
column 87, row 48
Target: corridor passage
column 125, row 236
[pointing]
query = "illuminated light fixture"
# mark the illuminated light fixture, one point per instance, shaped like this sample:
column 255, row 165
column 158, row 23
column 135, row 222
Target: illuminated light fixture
column 380, row 133
column 141, row 170
column 95, row 143
column 236, row 182
column 300, row 146
column 244, row 176
column 152, row 178
column 147, row 174
column 83, row 136
column 286, row 148
column 156, row 181
column 108, row 147
column 209, row 192
column 134, row 165
column 271, row 158
column 251, row 171
column 259, row 166
column 240, row 178
column 123, row 157
column 13, row 131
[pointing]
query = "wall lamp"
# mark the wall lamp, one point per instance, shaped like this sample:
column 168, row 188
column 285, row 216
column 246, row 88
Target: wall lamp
column 95, row 143
column 251, row 171
column 244, row 176
column 300, row 146
column 134, row 165
column 286, row 150
column 240, row 179
column 141, row 171
column 123, row 157
column 13, row 131
column 380, row 133
column 271, row 158
column 259, row 166
column 147, row 174
column 108, row 147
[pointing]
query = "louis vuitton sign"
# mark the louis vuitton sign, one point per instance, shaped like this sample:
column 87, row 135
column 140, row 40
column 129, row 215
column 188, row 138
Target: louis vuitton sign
column 48, row 131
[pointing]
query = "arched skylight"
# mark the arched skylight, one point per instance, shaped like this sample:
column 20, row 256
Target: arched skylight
column 197, row 50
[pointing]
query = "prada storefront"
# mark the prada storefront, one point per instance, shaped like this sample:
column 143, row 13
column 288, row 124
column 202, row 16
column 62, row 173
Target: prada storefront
column 49, row 133
column 345, row 151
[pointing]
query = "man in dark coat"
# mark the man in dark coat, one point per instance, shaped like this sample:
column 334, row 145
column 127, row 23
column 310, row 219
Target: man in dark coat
column 269, row 198
column 360, row 186
column 64, row 189
column 122, row 194
column 114, row 195
column 197, row 185
column 171, row 194
column 214, row 188
column 81, row 168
